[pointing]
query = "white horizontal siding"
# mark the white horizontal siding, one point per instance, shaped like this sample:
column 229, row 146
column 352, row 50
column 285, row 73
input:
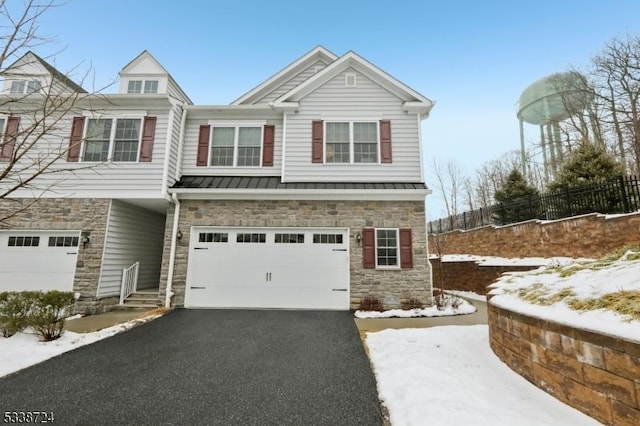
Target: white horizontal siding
column 133, row 235
column 366, row 101
column 292, row 82
column 95, row 180
column 191, row 152
column 173, row 152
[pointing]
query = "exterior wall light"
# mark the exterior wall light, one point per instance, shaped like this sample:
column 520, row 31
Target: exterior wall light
column 85, row 239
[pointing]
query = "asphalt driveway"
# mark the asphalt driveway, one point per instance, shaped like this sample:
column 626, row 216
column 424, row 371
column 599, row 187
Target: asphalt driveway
column 215, row 367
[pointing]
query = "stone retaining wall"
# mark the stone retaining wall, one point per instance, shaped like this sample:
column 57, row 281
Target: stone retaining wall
column 592, row 236
column 470, row 275
column 595, row 373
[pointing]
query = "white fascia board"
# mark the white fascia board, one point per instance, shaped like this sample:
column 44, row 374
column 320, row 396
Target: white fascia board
column 300, row 194
column 281, row 75
column 351, row 59
column 420, row 108
column 287, row 107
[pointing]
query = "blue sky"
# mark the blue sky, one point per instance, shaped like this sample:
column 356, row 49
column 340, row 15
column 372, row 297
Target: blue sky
column 473, row 58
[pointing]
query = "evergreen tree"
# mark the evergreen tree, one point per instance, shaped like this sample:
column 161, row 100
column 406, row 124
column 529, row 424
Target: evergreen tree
column 517, row 200
column 587, row 165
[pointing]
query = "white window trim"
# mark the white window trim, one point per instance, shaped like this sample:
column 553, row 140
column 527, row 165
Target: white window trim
column 25, row 86
column 350, row 76
column 111, row 137
column 351, row 141
column 4, row 126
column 375, row 236
column 236, row 125
column 143, row 81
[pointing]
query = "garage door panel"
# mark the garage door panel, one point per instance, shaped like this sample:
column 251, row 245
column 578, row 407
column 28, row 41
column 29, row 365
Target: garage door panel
column 38, row 266
column 296, row 273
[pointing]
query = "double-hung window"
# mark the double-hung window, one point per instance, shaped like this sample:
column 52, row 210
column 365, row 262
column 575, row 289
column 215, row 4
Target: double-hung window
column 351, row 142
column 387, row 250
column 236, row 146
column 21, row 87
column 117, row 139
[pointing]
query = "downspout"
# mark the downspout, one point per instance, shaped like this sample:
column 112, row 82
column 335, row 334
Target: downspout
column 176, row 215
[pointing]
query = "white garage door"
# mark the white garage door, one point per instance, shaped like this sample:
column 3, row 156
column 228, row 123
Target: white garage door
column 38, row 260
column 297, row 268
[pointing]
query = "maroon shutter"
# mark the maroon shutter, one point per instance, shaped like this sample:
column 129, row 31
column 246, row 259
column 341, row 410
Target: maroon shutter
column 203, row 145
column 368, row 248
column 317, row 142
column 406, row 249
column 75, row 140
column 385, row 141
column 6, row 153
column 267, row 145
column 148, row 134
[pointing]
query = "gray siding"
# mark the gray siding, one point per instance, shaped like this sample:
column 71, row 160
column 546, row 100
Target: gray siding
column 99, row 180
column 367, row 101
column 133, row 235
column 292, row 83
column 191, row 151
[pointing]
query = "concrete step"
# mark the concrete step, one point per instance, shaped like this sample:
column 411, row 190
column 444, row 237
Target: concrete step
column 138, row 296
column 141, row 304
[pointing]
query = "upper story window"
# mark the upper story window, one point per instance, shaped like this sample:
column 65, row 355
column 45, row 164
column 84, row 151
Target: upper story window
column 142, row 86
column 117, row 139
column 21, row 87
column 236, row 146
column 351, row 142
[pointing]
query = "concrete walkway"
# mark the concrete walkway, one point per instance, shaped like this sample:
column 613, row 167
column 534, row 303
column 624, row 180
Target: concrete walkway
column 377, row 324
column 97, row 322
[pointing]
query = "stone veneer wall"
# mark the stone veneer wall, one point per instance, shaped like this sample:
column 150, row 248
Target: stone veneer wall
column 87, row 215
column 389, row 285
column 595, row 373
column 470, row 275
column 591, row 235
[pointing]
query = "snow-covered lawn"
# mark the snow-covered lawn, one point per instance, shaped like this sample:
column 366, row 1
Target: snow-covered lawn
column 602, row 295
column 461, row 307
column 468, row 295
column 24, row 349
column 449, row 376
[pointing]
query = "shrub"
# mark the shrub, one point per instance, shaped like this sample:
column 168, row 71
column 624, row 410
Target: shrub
column 411, row 303
column 48, row 313
column 14, row 308
column 371, row 303
column 444, row 300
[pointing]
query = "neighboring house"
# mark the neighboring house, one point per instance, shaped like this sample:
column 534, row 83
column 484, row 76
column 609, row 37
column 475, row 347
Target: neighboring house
column 306, row 192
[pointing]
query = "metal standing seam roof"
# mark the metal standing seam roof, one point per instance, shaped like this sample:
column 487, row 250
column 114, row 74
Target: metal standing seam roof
column 273, row 182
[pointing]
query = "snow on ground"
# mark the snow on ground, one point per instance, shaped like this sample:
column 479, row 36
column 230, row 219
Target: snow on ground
column 432, row 311
column 24, row 349
column 588, row 281
column 448, row 375
column 507, row 261
column 468, row 295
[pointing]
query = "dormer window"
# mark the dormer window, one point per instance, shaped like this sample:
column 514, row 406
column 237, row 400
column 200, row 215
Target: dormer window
column 21, row 87
column 142, row 86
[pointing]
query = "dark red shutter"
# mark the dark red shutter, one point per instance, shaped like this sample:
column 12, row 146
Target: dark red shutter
column 267, row 145
column 368, row 248
column 317, row 142
column 148, row 135
column 203, row 145
column 6, row 154
column 75, row 140
column 385, row 141
column 406, row 249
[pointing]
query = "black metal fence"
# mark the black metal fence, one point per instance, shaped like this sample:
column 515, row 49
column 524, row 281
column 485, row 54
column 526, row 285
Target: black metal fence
column 617, row 195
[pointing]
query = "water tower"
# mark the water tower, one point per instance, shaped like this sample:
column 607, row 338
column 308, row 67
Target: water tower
column 546, row 103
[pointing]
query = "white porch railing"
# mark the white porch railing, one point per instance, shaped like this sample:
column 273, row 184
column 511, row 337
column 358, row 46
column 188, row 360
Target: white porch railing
column 129, row 281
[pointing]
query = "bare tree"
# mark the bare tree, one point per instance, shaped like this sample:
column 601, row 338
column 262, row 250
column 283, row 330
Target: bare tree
column 35, row 121
column 449, row 183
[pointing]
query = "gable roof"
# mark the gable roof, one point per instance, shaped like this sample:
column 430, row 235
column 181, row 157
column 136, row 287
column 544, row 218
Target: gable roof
column 309, row 58
column 414, row 101
column 57, row 75
column 146, row 55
